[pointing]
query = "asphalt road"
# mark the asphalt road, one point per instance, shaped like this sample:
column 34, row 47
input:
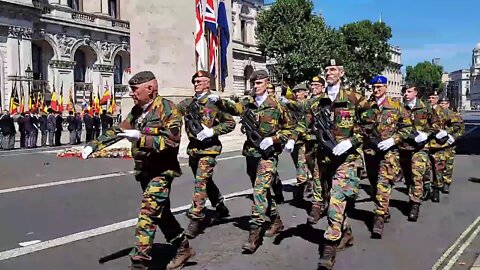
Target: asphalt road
column 83, row 212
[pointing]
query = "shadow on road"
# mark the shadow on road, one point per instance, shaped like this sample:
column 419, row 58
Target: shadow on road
column 306, row 232
column 161, row 256
column 403, row 190
column 402, row 206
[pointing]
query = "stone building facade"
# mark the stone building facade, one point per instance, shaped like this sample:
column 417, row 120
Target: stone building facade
column 474, row 94
column 393, row 72
column 78, row 45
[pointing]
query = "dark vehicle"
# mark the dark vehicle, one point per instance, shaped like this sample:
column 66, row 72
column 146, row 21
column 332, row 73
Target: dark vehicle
column 469, row 143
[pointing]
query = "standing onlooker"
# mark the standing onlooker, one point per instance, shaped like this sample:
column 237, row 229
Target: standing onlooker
column 31, row 130
column 21, row 129
column 106, row 120
column 96, row 126
column 51, row 126
column 42, row 121
column 88, row 120
column 72, row 127
column 8, row 131
column 78, row 128
column 58, row 129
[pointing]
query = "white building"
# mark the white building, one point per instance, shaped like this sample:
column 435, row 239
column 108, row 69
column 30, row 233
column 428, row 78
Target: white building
column 394, row 73
column 80, row 44
column 460, row 80
column 475, row 78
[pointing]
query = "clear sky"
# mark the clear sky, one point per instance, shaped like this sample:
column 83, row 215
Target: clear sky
column 424, row 29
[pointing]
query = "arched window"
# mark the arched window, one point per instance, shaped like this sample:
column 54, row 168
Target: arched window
column 118, row 70
column 243, row 30
column 246, row 74
column 73, row 4
column 80, row 66
column 37, row 62
column 112, row 8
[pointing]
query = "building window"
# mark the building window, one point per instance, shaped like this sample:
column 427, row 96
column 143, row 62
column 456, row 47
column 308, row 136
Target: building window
column 37, row 62
column 80, row 66
column 243, row 30
column 73, row 4
column 112, row 8
column 118, row 71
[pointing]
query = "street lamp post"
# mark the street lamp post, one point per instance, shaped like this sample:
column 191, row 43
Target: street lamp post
column 29, row 77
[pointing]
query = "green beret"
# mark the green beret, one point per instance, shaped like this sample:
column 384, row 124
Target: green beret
column 141, row 77
column 259, row 75
column 336, row 61
column 319, row 80
column 300, row 86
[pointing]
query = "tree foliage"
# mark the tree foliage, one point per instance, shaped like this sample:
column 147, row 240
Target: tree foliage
column 367, row 50
column 301, row 43
column 425, row 74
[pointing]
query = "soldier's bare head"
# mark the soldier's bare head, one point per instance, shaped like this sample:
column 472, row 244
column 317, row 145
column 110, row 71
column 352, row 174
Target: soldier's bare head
column 201, row 82
column 260, row 82
column 270, row 89
column 444, row 103
column 143, row 87
column 410, row 93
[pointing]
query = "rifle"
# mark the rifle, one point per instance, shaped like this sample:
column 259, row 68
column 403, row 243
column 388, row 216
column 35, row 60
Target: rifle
column 251, row 127
column 322, row 126
column 193, row 120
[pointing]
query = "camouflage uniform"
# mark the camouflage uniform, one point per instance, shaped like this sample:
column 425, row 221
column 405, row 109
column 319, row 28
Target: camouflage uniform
column 390, row 120
column 156, row 165
column 274, row 122
column 413, row 157
column 202, row 154
column 342, row 170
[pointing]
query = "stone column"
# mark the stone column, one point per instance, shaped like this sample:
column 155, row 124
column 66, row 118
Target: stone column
column 104, row 76
column 62, row 72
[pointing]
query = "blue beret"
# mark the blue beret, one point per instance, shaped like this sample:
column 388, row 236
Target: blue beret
column 379, row 79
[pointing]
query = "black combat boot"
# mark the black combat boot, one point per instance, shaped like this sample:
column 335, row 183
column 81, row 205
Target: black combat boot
column 415, row 208
column 387, row 217
column 221, row 211
column 137, row 265
column 446, row 188
column 316, row 212
column 347, row 239
column 194, row 228
column 275, row 227
column 436, row 195
column 378, row 222
column 427, row 192
column 184, row 252
column 327, row 259
column 298, row 192
column 254, row 240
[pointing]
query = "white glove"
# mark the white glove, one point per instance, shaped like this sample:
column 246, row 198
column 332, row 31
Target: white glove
column 205, row 133
column 442, row 133
column 289, row 145
column 213, row 98
column 86, row 151
column 422, row 136
column 132, row 135
column 450, row 140
column 386, row 144
column 342, row 147
column 267, row 142
column 283, row 100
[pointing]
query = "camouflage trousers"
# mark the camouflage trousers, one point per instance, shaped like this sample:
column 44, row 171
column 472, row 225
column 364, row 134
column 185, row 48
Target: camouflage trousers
column 320, row 188
column 438, row 162
column 155, row 210
column 262, row 172
column 202, row 168
column 343, row 171
column 448, row 174
column 415, row 167
column 383, row 170
column 300, row 162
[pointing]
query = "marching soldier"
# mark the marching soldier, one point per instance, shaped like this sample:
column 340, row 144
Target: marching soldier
column 275, row 127
column 340, row 163
column 385, row 125
column 203, row 148
column 414, row 152
column 455, row 129
column 317, row 86
column 154, row 129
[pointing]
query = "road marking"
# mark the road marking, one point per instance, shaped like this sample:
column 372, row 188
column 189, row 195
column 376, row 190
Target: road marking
column 29, row 243
column 16, row 252
column 88, row 178
column 459, row 252
column 455, row 244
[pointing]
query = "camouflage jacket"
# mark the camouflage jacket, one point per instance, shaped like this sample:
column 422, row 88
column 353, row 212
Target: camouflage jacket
column 346, row 108
column 156, row 152
column 274, row 122
column 297, row 110
column 449, row 121
column 423, row 119
column 221, row 122
column 389, row 120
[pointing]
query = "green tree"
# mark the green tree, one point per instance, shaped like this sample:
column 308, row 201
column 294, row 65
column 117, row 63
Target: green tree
column 425, row 74
column 297, row 39
column 367, row 50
